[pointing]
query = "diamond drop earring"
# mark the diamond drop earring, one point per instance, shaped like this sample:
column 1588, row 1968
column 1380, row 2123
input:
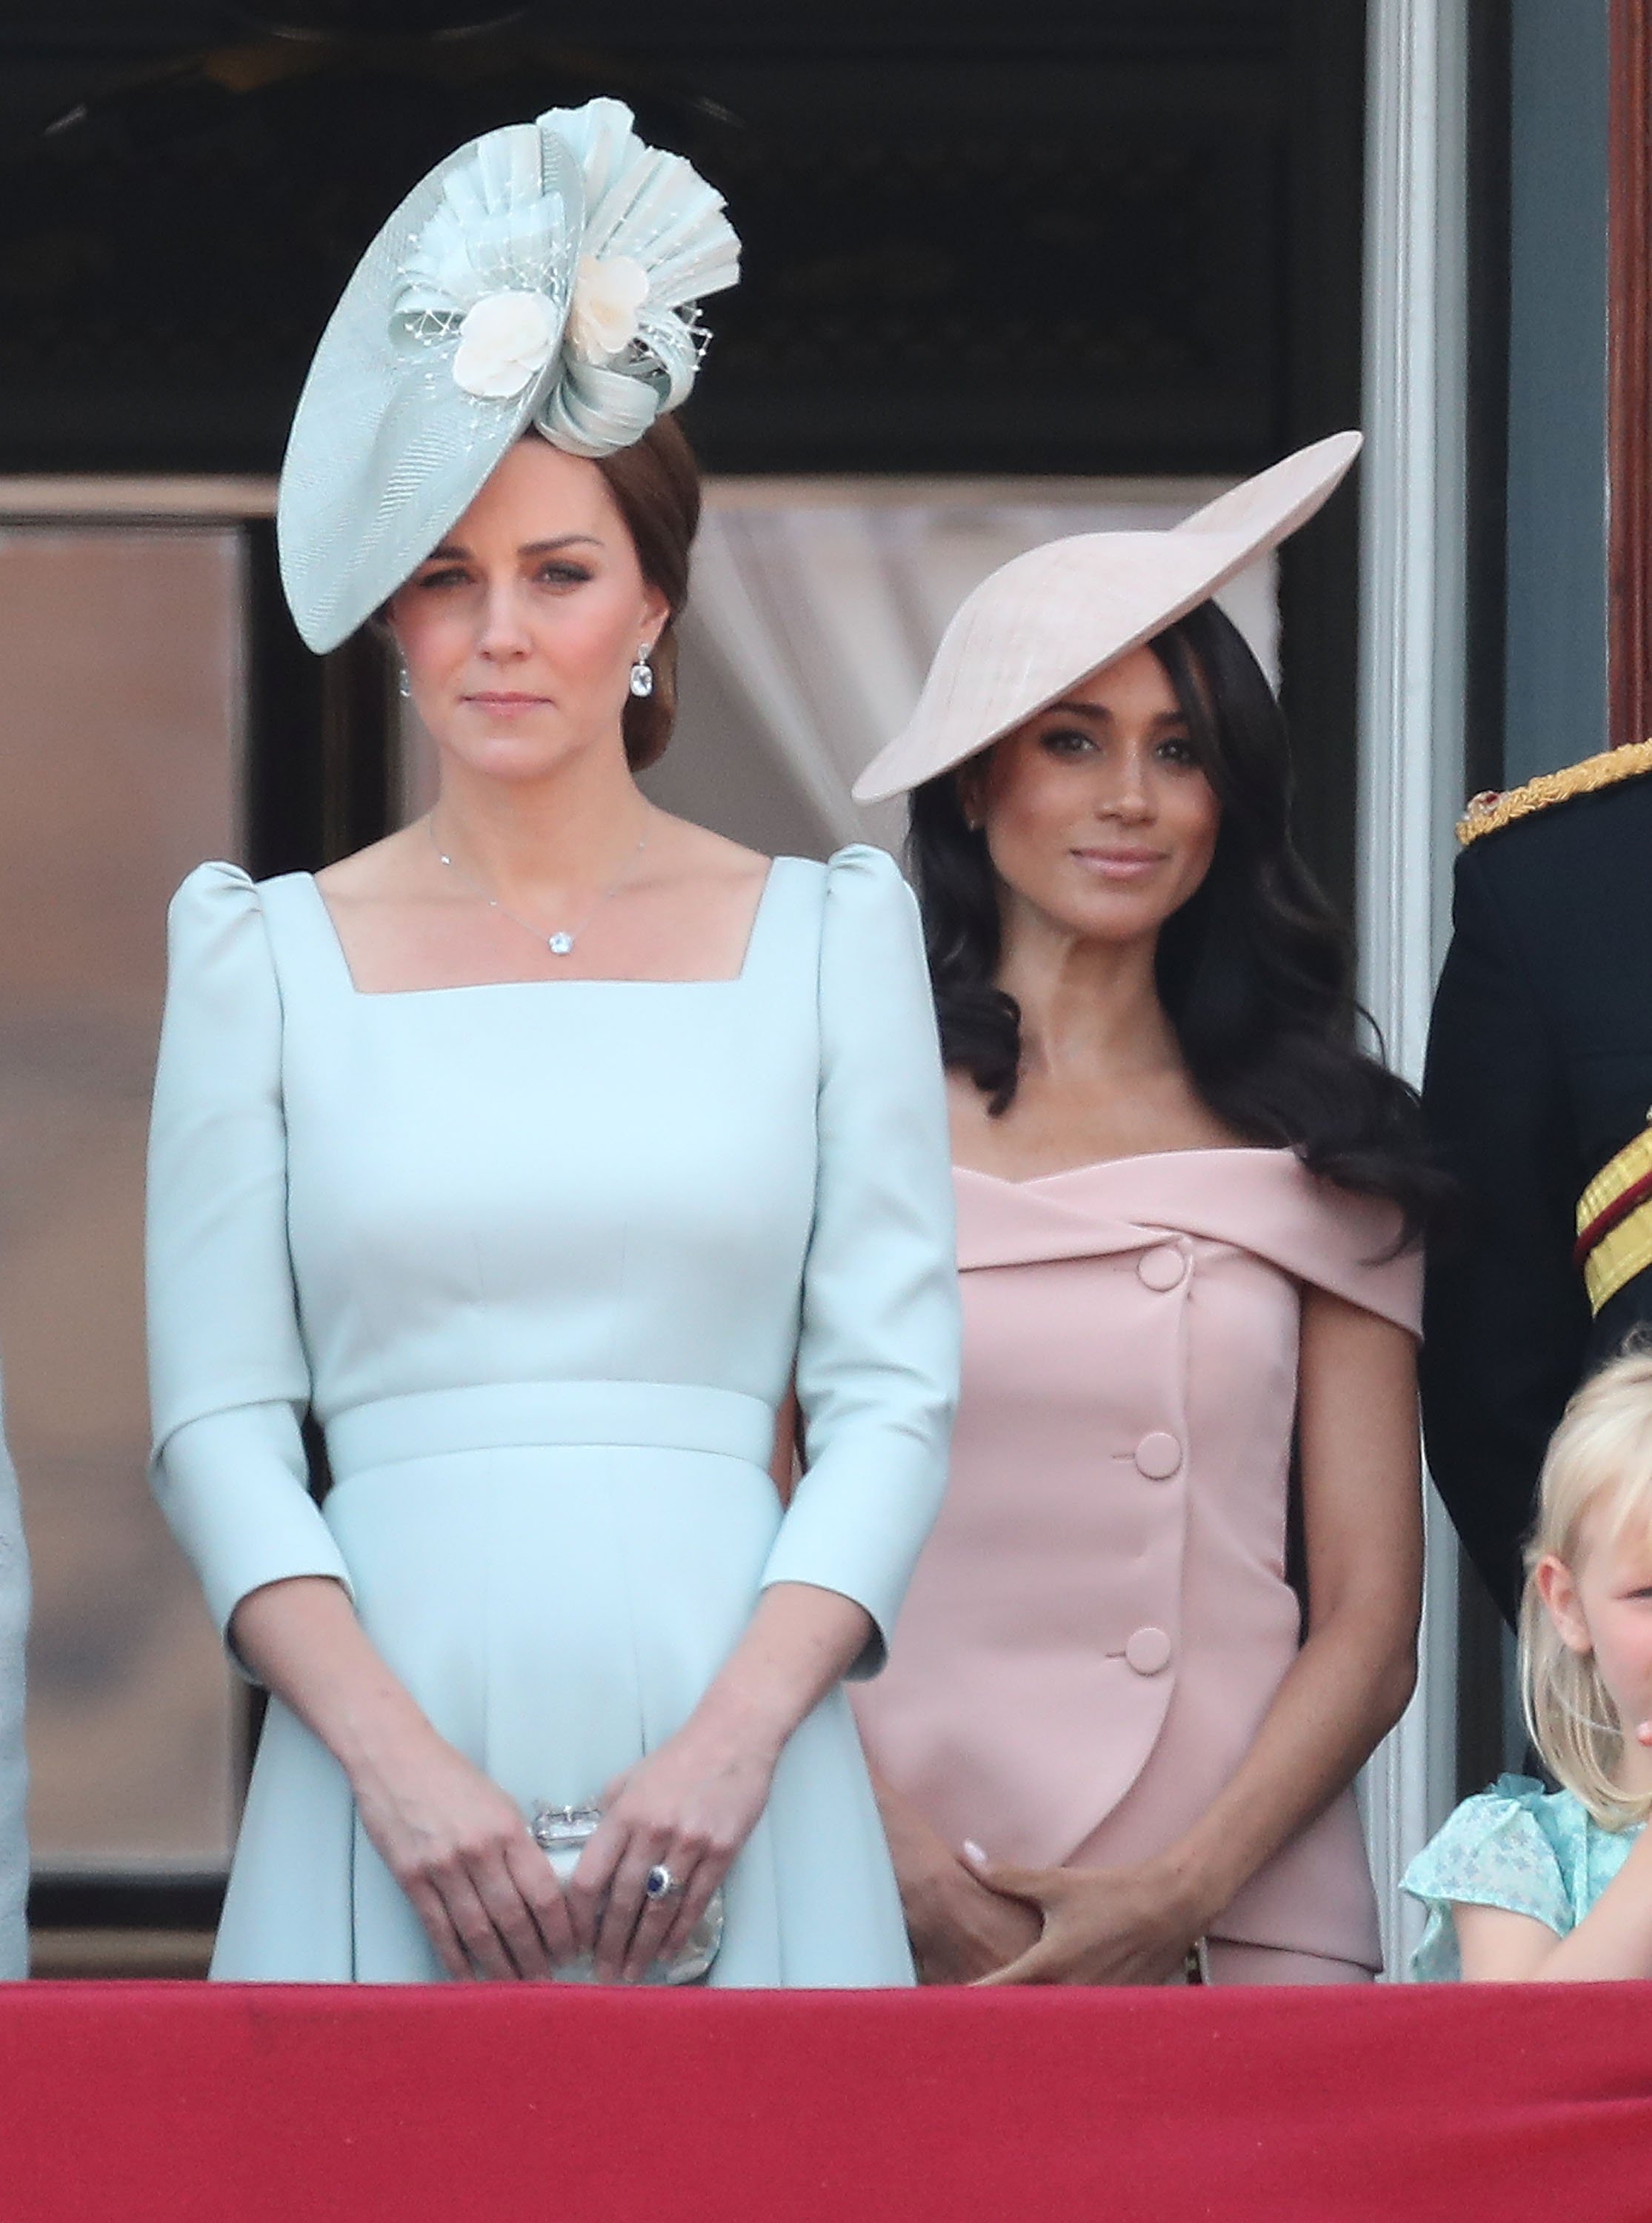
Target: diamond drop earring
column 642, row 672
column 403, row 682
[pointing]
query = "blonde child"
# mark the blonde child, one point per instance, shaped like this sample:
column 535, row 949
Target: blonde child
column 1526, row 1885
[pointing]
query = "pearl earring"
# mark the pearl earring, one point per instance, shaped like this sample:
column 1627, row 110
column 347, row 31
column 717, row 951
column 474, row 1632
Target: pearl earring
column 642, row 672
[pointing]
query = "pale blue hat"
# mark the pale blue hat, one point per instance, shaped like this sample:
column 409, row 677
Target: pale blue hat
column 546, row 275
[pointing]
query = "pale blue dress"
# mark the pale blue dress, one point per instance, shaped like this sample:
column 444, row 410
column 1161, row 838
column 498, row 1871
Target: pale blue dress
column 541, row 1258
column 1534, row 1852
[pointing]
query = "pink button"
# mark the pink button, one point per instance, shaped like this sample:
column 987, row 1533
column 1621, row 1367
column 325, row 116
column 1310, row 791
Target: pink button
column 1159, row 1455
column 1148, row 1651
column 1161, row 1269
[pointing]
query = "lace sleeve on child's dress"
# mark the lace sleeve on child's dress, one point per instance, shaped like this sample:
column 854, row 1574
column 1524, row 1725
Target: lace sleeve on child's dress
column 1494, row 1851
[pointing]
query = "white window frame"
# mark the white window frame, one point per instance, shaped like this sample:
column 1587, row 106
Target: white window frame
column 1411, row 715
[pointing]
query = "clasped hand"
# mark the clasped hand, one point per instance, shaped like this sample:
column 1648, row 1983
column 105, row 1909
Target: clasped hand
column 489, row 1900
column 1123, row 1925
column 486, row 1895
column 686, row 1808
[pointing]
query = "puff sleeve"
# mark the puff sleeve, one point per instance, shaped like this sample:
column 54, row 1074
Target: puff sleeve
column 229, row 1377
column 877, row 1357
column 14, row 1777
column 1494, row 1851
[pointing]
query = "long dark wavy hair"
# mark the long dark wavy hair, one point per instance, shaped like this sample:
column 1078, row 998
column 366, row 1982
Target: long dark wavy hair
column 1254, row 970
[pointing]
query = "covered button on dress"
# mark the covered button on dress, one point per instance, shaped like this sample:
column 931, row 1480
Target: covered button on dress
column 541, row 1258
column 1101, row 1617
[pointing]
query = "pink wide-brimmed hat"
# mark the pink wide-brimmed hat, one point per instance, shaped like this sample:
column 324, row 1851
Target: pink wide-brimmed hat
column 1047, row 619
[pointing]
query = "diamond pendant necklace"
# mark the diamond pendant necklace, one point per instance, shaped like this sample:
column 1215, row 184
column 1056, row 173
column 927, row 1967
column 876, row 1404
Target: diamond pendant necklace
column 561, row 943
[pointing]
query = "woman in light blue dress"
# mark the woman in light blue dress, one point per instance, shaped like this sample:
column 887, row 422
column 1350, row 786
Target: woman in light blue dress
column 542, row 1151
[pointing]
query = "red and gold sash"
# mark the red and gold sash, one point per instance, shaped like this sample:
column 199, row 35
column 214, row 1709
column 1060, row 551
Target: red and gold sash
column 1615, row 1221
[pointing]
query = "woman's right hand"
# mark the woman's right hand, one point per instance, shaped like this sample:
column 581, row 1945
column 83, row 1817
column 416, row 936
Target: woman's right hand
column 488, row 1898
column 960, row 1930
column 486, row 1895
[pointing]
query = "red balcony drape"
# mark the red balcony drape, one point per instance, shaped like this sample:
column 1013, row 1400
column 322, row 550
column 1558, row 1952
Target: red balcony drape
column 134, row 2101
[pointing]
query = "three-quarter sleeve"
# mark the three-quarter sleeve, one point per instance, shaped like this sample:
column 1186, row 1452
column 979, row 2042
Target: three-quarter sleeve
column 14, row 1774
column 878, row 1348
column 228, row 1378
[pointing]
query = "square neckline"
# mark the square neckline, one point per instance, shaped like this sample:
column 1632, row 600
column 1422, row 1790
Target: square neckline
column 335, row 942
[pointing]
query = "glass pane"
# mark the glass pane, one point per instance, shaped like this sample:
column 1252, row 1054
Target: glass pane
column 117, row 767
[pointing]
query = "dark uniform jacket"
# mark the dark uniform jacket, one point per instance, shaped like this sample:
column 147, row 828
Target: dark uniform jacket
column 1539, row 1072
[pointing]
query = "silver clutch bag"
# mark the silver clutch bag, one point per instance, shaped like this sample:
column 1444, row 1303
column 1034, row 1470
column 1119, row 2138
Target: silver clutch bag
column 561, row 1833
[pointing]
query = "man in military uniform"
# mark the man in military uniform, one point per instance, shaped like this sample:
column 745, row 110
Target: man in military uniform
column 1539, row 1093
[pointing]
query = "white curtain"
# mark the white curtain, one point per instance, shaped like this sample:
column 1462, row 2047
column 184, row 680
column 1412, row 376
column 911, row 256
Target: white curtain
column 816, row 606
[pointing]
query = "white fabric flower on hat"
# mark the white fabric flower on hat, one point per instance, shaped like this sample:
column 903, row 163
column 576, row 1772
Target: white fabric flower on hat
column 505, row 341
column 450, row 342
column 489, row 272
column 608, row 298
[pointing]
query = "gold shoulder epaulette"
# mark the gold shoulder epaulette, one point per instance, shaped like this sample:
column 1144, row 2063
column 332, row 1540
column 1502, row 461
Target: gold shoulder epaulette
column 1489, row 813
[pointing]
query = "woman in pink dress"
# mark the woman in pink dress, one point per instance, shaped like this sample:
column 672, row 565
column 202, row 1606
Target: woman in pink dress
column 1170, row 1605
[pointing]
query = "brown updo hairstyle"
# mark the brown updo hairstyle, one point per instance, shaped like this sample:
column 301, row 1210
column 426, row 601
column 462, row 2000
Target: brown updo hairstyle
column 655, row 483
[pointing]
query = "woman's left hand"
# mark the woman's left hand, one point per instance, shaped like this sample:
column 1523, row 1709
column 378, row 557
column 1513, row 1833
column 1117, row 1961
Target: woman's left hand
column 688, row 1808
column 1125, row 1925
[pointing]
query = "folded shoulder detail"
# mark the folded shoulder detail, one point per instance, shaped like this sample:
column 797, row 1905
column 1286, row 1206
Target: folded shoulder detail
column 1262, row 1201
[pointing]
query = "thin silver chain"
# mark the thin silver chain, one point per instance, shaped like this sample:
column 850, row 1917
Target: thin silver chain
column 559, row 943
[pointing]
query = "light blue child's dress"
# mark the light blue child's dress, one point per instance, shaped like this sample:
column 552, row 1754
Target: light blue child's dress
column 1517, row 1845
column 542, row 1257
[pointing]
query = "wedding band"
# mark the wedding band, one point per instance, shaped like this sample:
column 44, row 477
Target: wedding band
column 660, row 1883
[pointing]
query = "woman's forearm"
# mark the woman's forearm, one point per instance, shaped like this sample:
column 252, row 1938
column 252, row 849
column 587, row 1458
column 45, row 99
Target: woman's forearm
column 1345, row 1690
column 1362, row 1524
column 454, row 1842
column 302, row 1640
column 688, row 1806
column 799, row 1643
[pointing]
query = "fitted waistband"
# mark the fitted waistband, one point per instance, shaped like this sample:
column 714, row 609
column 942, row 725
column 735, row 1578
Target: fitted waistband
column 504, row 1416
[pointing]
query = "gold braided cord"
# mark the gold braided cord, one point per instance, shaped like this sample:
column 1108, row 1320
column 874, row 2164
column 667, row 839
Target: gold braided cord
column 1487, row 813
column 1632, row 1163
column 1622, row 1253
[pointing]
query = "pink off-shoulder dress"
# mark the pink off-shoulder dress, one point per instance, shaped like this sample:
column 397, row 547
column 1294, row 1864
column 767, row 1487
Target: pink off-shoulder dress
column 1102, row 1616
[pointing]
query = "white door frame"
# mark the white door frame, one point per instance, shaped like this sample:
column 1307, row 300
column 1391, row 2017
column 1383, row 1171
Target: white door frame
column 1411, row 685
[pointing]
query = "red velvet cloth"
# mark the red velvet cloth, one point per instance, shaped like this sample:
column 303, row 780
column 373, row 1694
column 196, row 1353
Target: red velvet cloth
column 132, row 2101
